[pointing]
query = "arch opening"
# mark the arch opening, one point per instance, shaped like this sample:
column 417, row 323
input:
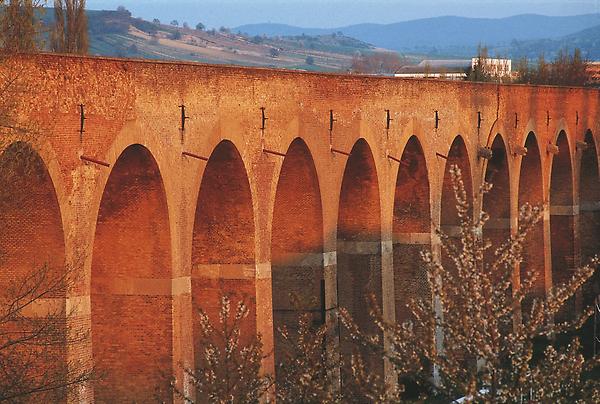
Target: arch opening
column 298, row 282
column 456, row 156
column 450, row 222
column 411, row 229
column 223, row 258
column 32, row 257
column 131, row 283
column 589, row 217
column 562, row 221
column 496, row 203
column 531, row 191
column 359, row 247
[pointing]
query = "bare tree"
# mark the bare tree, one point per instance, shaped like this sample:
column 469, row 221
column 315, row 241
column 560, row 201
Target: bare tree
column 478, row 71
column 37, row 326
column 70, row 32
column 377, row 63
column 19, row 25
column 309, row 369
column 33, row 362
column 229, row 366
column 483, row 352
column 566, row 70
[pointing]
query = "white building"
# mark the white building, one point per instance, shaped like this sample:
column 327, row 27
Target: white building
column 446, row 69
column 495, row 67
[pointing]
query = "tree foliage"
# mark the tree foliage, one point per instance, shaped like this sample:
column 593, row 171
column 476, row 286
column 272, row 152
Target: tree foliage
column 566, row 70
column 36, row 325
column 230, row 364
column 478, row 71
column 19, row 25
column 486, row 69
column 33, row 364
column 70, row 31
column 377, row 63
column 309, row 370
column 468, row 340
column 484, row 351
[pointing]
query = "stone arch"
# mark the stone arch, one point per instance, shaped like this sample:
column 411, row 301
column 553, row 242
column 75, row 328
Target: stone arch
column 359, row 245
column 562, row 218
column 298, row 282
column 223, row 250
column 411, row 228
column 32, row 246
column 531, row 191
column 449, row 220
column 29, row 211
column 496, row 203
column 589, row 217
column 458, row 156
column 131, row 299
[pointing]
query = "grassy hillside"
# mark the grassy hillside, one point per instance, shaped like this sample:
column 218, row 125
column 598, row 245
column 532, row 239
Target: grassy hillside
column 114, row 33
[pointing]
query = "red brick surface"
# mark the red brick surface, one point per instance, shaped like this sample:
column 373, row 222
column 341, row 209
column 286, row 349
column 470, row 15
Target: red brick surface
column 162, row 217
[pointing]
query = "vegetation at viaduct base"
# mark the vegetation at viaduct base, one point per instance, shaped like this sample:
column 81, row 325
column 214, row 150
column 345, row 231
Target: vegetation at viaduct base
column 468, row 339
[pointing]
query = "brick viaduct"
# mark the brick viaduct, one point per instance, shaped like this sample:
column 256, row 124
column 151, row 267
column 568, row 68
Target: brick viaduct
column 323, row 194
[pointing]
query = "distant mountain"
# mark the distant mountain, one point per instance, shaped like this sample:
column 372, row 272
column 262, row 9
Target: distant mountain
column 272, row 30
column 453, row 35
column 588, row 40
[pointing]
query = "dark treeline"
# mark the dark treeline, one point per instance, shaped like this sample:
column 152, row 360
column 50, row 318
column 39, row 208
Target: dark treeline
column 566, row 70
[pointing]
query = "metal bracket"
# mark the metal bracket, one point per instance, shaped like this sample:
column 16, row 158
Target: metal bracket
column 95, row 161
column 516, row 120
column 82, row 120
column 340, row 152
column 479, row 119
column 397, row 160
column 276, row 153
column 331, row 120
column 576, row 118
column 548, row 119
column 194, row 156
column 184, row 117
column 442, row 156
column 264, row 119
column 388, row 119
column 437, row 119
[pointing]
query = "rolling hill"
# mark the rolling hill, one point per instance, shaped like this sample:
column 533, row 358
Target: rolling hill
column 117, row 33
column 588, row 40
column 445, row 35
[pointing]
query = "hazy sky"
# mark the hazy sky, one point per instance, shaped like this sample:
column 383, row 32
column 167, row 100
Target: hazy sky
column 335, row 13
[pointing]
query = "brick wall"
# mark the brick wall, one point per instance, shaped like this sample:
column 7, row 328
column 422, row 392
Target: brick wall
column 156, row 232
